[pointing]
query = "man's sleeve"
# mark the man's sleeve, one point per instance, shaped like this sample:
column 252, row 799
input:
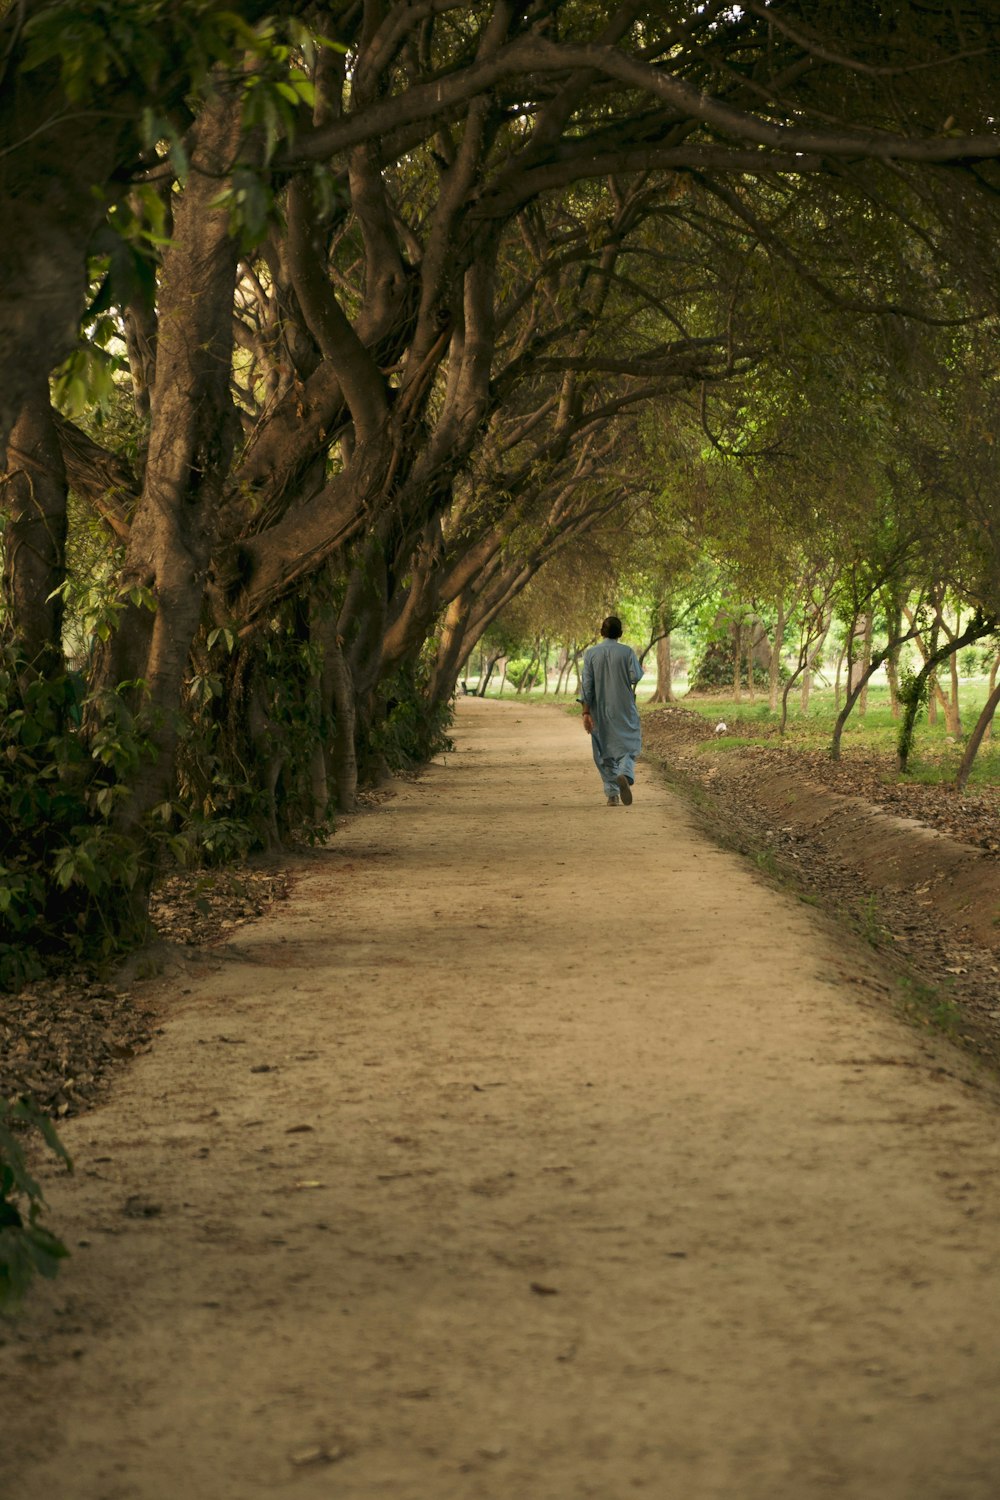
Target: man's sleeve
column 637, row 671
column 586, row 680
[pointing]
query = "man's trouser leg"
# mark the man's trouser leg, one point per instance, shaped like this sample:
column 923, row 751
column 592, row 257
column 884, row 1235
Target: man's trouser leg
column 605, row 766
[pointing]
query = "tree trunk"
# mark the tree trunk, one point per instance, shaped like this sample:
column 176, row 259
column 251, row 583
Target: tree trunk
column 892, row 674
column 33, row 496
column 860, row 683
column 343, row 753
column 815, row 654
column 563, row 672
column 484, row 677
column 269, row 757
column 528, row 675
column 737, row 661
column 977, row 736
column 977, row 627
column 836, row 681
column 994, row 668
column 190, row 446
column 953, row 708
column 664, row 670
column 451, row 652
column 866, row 647
column 774, row 661
column 140, row 343
column 859, row 659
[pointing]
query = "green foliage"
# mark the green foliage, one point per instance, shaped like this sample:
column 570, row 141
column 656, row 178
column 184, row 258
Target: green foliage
column 63, row 860
column 714, row 672
column 252, row 725
column 172, row 55
column 524, row 672
column 27, row 1248
column 927, row 1005
column 913, row 688
column 86, row 380
column 408, row 733
column 156, row 45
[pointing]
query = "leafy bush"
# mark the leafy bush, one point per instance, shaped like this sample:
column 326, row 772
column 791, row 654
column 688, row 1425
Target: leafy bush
column 523, row 672
column 408, row 732
column 27, row 1248
column 62, row 859
column 714, row 672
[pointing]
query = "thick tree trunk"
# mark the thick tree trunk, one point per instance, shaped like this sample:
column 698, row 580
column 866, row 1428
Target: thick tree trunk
column 33, row 498
column 140, row 343
column 892, row 674
column 452, row 651
column 189, row 451
column 343, row 753
column 361, row 626
column 859, row 657
column 50, row 210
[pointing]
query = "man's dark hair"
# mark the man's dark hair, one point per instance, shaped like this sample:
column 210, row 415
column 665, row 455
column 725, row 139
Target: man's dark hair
column 612, row 627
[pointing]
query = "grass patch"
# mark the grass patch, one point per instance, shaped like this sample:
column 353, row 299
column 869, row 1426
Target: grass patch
column 871, row 928
column 731, row 742
column 751, row 724
column 928, row 1006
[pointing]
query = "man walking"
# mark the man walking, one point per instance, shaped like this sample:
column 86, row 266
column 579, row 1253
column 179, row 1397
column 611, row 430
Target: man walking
column 611, row 671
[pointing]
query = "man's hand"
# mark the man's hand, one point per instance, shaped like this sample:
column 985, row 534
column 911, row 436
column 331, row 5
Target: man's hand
column 588, row 722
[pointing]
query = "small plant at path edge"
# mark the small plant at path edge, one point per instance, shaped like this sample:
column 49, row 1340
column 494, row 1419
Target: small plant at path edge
column 27, row 1248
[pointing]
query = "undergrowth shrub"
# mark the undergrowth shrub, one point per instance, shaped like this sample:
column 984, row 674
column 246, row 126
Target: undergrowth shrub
column 60, row 858
column 410, row 730
column 714, row 672
column 27, row 1247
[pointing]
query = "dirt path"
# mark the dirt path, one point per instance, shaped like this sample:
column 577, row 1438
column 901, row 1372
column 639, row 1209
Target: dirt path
column 533, row 1150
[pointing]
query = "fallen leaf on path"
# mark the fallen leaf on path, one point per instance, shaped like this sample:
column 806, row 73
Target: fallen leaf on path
column 316, row 1455
column 137, row 1207
column 309, row 1184
column 541, row 1290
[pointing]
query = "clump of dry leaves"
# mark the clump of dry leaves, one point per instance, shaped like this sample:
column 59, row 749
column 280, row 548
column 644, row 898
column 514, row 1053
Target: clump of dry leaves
column 62, row 1035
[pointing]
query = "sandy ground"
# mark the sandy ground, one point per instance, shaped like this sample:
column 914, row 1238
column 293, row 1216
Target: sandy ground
column 534, row 1149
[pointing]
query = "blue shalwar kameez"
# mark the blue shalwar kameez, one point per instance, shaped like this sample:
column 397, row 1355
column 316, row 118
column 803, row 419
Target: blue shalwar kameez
column 607, row 686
